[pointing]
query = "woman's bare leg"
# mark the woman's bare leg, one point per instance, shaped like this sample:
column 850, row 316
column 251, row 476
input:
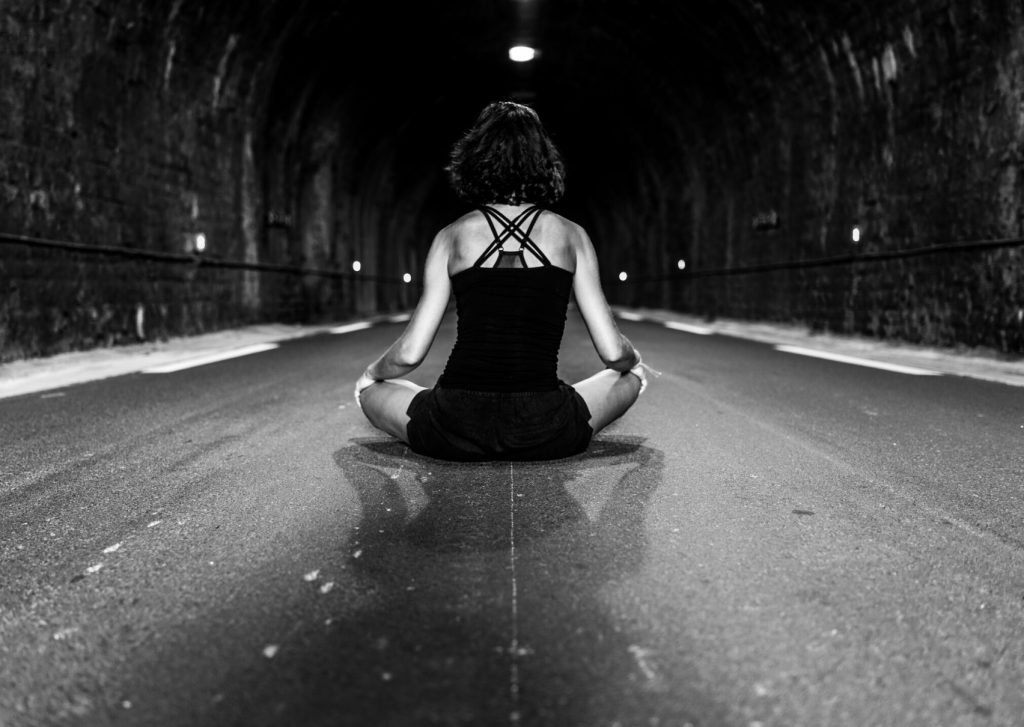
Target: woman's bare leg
column 385, row 404
column 608, row 394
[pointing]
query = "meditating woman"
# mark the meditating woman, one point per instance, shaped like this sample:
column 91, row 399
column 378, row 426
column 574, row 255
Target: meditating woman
column 511, row 264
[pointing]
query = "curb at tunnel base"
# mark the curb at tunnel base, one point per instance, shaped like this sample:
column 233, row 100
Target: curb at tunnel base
column 976, row 364
column 45, row 374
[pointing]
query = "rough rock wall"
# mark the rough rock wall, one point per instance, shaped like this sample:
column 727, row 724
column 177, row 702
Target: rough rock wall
column 905, row 122
column 145, row 125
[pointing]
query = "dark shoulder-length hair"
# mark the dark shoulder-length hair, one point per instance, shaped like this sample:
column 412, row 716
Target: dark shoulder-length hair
column 507, row 156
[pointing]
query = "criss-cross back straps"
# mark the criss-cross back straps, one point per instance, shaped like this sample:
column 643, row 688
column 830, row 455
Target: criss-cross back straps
column 511, row 228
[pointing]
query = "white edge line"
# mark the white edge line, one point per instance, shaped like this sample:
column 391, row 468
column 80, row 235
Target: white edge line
column 210, row 358
column 897, row 368
column 686, row 327
column 349, row 328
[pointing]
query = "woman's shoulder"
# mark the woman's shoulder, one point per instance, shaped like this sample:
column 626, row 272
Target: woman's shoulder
column 475, row 220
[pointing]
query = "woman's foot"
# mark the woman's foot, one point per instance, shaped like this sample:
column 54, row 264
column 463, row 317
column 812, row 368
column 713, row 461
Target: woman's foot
column 640, row 372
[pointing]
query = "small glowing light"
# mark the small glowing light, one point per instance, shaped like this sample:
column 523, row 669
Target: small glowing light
column 855, row 234
column 200, row 242
column 623, row 276
column 681, row 264
column 522, row 53
column 356, row 265
column 406, row 278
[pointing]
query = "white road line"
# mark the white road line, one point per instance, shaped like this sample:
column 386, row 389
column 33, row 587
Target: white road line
column 688, row 328
column 897, row 368
column 513, row 648
column 627, row 316
column 210, row 358
column 350, row 327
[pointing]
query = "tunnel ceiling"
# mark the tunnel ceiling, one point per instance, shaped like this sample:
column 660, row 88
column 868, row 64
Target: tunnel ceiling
column 622, row 85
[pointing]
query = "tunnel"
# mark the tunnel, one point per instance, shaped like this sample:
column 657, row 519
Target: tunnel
column 179, row 166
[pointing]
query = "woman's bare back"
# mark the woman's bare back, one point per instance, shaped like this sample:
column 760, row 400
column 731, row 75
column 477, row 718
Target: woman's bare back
column 471, row 235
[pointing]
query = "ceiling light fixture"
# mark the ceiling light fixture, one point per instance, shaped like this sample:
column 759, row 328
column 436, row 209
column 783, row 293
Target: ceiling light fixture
column 522, row 53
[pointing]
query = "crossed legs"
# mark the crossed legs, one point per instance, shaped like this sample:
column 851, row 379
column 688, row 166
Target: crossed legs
column 385, row 404
column 608, row 394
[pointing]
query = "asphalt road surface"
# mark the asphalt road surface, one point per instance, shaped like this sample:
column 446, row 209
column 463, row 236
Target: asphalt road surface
column 765, row 539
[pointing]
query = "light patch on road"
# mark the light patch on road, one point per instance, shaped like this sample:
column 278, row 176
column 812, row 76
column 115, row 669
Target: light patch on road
column 327, row 587
column 311, row 576
column 54, row 395
column 154, row 523
column 840, row 358
column 400, row 318
column 689, row 328
column 270, row 650
column 94, row 568
column 210, row 358
column 113, row 548
column 627, row 316
column 644, row 663
column 350, row 327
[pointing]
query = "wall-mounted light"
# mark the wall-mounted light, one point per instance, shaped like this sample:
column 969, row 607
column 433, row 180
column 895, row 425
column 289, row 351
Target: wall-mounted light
column 623, row 276
column 195, row 243
column 855, row 234
column 522, row 53
column 681, row 264
column 406, row 278
column 357, row 266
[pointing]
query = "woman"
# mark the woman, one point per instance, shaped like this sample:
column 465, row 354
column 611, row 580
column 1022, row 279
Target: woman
column 511, row 264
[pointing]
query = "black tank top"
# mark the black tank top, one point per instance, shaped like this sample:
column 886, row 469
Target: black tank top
column 510, row 316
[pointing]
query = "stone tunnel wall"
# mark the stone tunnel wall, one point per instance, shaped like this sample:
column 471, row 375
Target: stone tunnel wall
column 144, row 125
column 905, row 123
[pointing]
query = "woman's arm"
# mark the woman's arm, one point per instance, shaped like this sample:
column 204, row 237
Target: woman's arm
column 614, row 349
column 408, row 352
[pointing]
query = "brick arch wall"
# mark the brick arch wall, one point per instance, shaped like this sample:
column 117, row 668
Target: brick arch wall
column 727, row 134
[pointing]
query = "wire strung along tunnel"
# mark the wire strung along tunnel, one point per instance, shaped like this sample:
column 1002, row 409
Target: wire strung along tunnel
column 764, row 539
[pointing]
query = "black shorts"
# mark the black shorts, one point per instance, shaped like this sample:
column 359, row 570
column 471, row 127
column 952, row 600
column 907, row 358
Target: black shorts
column 469, row 426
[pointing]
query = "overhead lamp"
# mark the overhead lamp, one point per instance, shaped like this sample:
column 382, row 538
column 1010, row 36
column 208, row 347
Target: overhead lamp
column 623, row 276
column 357, row 266
column 522, row 53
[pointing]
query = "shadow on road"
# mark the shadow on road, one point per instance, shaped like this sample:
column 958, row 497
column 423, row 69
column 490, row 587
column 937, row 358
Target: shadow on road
column 441, row 573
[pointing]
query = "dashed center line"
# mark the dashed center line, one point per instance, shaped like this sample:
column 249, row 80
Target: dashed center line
column 513, row 648
column 841, row 358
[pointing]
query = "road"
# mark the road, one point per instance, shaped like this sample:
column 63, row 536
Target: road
column 765, row 539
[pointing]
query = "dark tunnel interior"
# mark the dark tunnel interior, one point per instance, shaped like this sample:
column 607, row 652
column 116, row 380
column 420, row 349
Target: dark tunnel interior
column 851, row 167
